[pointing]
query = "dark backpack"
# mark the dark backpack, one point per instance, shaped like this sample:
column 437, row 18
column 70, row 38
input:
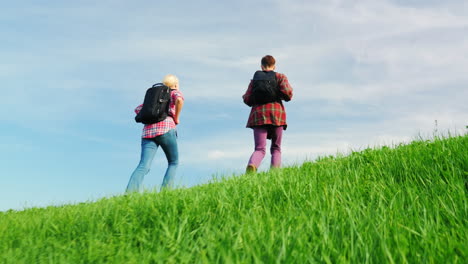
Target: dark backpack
column 155, row 106
column 265, row 88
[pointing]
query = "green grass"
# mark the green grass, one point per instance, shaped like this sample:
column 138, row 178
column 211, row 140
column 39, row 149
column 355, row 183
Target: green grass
column 406, row 204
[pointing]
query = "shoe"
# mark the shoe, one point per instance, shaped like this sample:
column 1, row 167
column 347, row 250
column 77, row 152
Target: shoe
column 251, row 169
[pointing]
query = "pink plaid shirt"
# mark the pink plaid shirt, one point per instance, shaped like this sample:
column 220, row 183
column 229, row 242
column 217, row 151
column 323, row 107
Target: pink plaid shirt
column 157, row 129
column 269, row 113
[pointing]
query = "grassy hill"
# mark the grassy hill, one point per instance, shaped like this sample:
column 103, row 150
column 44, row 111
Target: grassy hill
column 387, row 205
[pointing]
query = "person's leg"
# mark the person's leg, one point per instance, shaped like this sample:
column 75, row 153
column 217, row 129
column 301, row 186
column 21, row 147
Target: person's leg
column 276, row 136
column 168, row 143
column 148, row 149
column 260, row 136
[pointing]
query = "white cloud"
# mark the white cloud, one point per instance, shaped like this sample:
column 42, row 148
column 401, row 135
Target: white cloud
column 368, row 50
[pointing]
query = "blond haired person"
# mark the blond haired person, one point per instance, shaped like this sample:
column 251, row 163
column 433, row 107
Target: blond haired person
column 160, row 134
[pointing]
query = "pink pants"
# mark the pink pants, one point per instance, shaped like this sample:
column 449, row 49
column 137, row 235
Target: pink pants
column 260, row 138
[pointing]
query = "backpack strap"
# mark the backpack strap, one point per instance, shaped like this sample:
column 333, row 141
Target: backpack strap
column 170, row 100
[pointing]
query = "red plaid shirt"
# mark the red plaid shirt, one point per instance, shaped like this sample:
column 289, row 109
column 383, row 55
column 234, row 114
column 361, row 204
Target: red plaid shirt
column 269, row 113
column 157, row 129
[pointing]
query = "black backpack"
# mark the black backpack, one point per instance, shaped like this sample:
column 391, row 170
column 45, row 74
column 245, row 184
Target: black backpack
column 265, row 88
column 155, row 106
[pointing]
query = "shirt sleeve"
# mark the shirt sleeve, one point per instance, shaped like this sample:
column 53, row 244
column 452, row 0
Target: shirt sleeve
column 248, row 95
column 177, row 95
column 285, row 88
column 138, row 109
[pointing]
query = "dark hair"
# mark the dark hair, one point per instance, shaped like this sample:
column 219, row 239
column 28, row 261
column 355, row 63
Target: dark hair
column 268, row 61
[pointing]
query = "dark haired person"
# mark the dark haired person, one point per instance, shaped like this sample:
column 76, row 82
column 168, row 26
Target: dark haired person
column 267, row 117
column 161, row 134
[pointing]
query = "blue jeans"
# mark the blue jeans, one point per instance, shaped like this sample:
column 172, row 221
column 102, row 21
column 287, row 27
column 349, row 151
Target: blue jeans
column 168, row 143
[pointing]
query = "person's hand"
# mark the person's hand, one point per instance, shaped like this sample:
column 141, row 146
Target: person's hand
column 176, row 120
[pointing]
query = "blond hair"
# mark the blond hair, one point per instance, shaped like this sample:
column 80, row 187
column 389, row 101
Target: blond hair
column 170, row 80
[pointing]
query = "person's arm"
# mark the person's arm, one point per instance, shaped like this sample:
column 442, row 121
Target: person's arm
column 285, row 88
column 178, row 107
column 248, row 94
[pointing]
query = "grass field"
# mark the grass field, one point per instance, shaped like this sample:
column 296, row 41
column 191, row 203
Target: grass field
column 406, row 204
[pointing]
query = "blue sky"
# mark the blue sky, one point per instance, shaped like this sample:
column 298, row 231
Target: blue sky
column 365, row 73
